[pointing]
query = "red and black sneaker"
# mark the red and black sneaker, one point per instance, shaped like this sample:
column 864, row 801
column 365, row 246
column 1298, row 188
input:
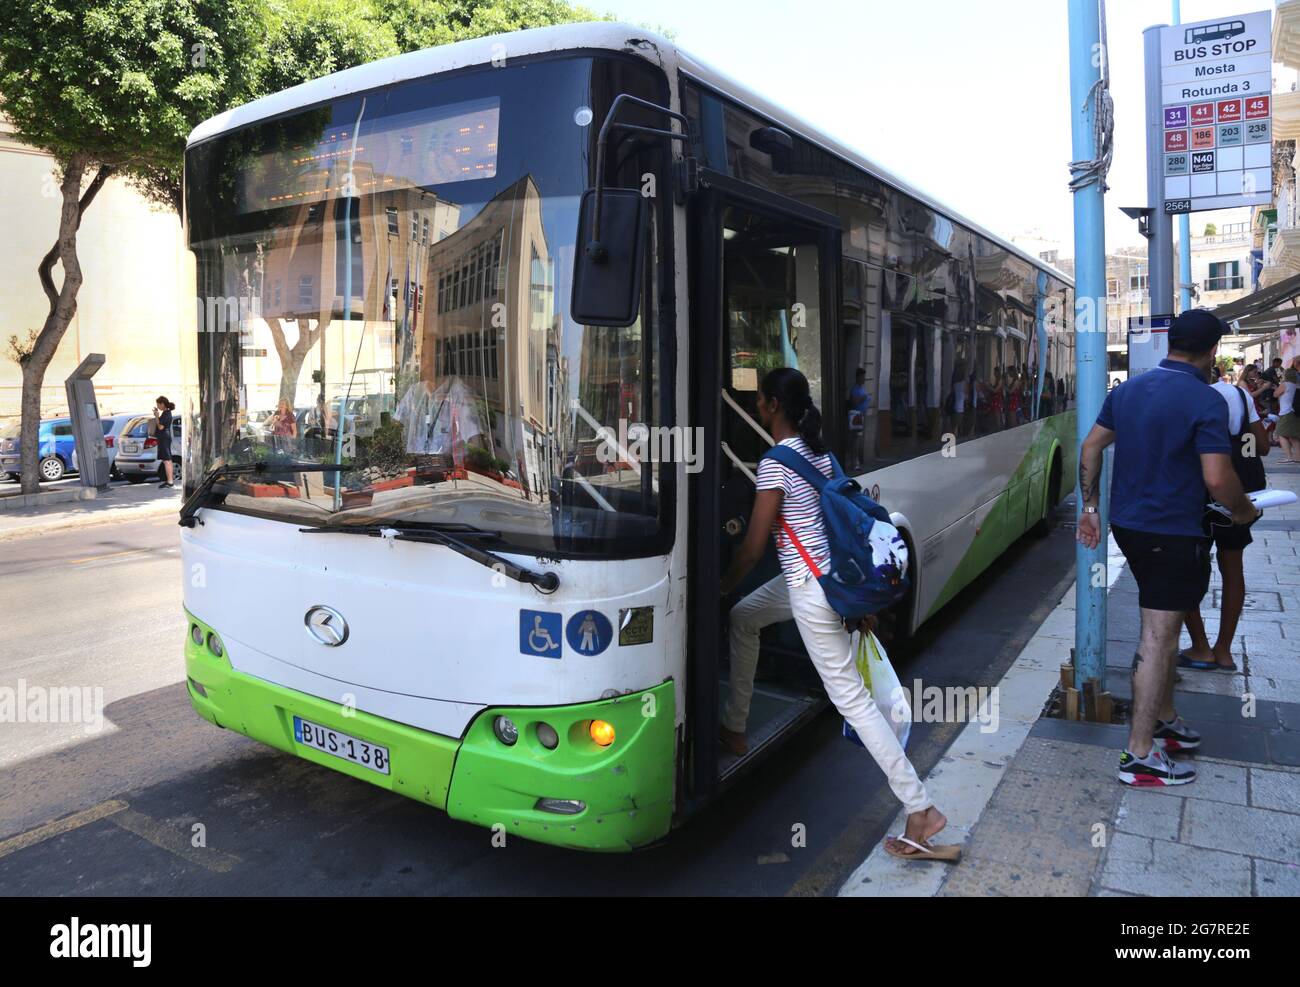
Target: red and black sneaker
column 1176, row 737
column 1153, row 771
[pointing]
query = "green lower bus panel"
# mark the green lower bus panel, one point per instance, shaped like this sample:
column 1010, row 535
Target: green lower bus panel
column 579, row 794
column 620, row 796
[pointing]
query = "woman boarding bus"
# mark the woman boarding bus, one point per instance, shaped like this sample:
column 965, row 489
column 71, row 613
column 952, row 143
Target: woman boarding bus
column 787, row 502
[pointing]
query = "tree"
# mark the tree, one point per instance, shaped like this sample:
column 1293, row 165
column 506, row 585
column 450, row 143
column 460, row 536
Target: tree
column 110, row 87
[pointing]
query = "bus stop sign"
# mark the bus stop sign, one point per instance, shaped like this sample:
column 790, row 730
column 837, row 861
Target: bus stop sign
column 1216, row 138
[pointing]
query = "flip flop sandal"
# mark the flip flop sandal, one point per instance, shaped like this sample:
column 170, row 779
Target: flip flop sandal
column 1201, row 666
column 950, row 854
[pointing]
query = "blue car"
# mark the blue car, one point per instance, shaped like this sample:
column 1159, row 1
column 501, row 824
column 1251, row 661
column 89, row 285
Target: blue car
column 56, row 441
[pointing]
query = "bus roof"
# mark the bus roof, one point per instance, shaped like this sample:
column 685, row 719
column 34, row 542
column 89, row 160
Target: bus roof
column 590, row 35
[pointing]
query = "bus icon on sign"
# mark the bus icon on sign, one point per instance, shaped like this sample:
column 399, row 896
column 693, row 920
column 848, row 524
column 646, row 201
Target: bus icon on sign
column 1214, row 32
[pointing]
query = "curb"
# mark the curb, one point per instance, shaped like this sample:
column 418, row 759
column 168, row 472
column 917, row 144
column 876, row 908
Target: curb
column 15, row 502
column 110, row 516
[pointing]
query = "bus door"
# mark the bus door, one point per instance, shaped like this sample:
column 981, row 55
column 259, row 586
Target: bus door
column 764, row 296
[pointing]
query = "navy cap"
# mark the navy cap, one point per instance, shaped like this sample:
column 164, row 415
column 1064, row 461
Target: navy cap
column 1196, row 330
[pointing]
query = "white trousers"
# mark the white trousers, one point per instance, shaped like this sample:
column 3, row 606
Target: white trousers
column 828, row 645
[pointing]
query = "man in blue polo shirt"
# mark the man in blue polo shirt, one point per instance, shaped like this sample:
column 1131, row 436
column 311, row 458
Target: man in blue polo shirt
column 1172, row 454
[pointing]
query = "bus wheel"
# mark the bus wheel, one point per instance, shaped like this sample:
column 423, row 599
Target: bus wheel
column 1044, row 524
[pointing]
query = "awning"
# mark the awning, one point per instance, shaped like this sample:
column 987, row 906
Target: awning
column 1266, row 310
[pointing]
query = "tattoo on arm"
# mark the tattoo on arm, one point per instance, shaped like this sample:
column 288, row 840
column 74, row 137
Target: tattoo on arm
column 1137, row 660
column 1087, row 481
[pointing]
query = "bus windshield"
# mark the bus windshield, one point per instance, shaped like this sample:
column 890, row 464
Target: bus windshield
column 383, row 283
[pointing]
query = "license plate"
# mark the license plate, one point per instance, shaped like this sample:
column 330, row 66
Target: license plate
column 130, row 447
column 362, row 752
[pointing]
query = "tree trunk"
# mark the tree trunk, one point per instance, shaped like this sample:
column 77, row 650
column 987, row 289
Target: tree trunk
column 63, row 306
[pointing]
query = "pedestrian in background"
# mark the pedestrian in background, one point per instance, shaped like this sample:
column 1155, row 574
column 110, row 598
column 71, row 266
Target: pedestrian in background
column 161, row 427
column 1249, row 442
column 1170, row 432
column 1288, row 422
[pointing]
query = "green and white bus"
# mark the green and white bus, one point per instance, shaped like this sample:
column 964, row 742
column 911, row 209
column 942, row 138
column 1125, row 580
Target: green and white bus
column 455, row 526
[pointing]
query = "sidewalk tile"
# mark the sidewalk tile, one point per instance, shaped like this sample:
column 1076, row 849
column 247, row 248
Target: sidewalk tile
column 1157, row 867
column 1139, row 816
column 1275, row 666
column 1288, row 715
column 1081, row 761
column 1277, row 790
column 1274, row 880
column 1214, row 783
column 1241, row 829
column 1283, row 747
column 991, row 879
column 1236, row 744
column 1274, row 690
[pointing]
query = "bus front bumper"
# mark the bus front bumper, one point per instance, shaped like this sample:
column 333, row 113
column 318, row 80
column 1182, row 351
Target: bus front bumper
column 579, row 794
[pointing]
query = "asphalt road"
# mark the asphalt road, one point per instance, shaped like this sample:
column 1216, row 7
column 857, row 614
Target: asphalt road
column 160, row 802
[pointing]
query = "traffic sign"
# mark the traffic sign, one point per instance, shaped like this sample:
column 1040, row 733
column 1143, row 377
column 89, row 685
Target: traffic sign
column 1215, row 84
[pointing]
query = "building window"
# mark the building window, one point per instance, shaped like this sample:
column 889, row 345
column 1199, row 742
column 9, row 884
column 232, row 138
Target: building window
column 1112, row 288
column 1137, row 282
column 392, row 220
column 305, row 290
column 425, row 232
column 1224, row 276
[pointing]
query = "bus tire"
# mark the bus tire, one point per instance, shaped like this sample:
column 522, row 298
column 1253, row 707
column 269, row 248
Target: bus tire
column 1053, row 497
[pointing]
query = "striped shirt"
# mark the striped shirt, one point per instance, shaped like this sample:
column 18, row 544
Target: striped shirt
column 801, row 509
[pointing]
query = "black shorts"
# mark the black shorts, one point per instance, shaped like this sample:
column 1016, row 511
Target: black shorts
column 1172, row 571
column 1231, row 537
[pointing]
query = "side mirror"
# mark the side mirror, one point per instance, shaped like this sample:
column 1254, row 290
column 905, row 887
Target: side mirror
column 607, row 266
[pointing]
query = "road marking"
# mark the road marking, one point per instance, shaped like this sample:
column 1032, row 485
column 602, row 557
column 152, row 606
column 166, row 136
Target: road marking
column 60, row 826
column 110, row 555
column 175, row 840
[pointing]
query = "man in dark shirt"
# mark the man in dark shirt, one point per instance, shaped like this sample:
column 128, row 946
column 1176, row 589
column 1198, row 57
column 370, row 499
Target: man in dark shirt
column 1170, row 430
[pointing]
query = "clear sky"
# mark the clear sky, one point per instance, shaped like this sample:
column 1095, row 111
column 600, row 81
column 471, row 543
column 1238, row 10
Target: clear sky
column 966, row 99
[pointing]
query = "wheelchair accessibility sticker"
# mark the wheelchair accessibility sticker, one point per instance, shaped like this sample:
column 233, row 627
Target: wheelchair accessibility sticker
column 540, row 633
column 589, row 632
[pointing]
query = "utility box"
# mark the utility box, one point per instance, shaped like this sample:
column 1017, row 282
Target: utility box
column 87, row 430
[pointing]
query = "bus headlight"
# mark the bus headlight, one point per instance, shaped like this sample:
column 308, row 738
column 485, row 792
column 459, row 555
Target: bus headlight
column 506, row 731
column 196, row 634
column 214, row 645
column 602, row 732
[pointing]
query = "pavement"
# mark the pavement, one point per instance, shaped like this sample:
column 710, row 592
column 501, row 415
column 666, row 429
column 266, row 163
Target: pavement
column 122, row 501
column 1035, row 802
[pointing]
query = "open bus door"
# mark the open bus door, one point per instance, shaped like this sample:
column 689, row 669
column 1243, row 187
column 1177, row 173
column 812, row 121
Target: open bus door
column 764, row 295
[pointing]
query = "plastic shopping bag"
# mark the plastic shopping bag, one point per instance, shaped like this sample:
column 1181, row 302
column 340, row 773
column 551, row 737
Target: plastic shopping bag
column 882, row 682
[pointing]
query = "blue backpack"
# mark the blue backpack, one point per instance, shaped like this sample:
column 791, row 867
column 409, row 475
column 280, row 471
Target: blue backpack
column 868, row 570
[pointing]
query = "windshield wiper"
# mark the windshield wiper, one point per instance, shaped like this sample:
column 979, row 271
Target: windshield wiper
column 544, row 582
column 202, row 493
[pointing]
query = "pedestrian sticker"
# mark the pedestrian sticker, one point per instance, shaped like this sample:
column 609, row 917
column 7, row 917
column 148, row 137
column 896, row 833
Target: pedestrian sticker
column 539, row 633
column 589, row 632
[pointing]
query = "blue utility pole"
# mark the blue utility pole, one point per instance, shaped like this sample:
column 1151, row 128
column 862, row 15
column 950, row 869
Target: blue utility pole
column 1184, row 231
column 1086, row 56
